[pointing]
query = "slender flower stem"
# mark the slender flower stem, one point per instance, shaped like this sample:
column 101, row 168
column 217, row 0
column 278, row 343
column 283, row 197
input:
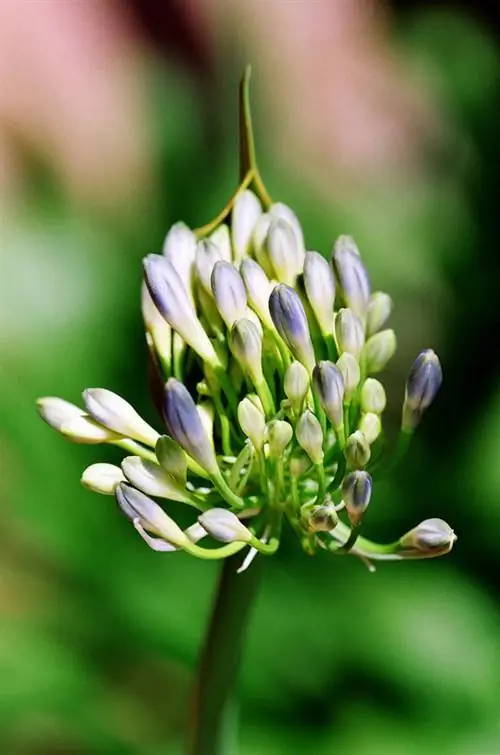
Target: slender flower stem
column 215, row 686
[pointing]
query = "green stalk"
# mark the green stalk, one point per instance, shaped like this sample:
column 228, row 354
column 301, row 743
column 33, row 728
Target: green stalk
column 213, row 708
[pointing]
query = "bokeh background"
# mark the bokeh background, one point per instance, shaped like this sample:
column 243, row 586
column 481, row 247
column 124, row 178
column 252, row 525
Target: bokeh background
column 378, row 120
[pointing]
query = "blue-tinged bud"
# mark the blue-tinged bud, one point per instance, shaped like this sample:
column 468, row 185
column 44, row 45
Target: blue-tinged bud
column 310, row 436
column 352, row 276
column 185, row 426
column 357, row 451
column 229, row 292
column 356, row 494
column 371, row 426
column 282, row 249
column 252, row 420
column 245, row 342
column 152, row 479
column 102, row 478
column 320, row 290
column 247, row 210
column 118, row 415
column 422, row 386
column 378, row 350
column 259, row 289
column 291, row 323
column 296, row 385
column 222, row 240
column 329, row 387
column 57, row 412
column 279, row 434
column 432, row 537
column 349, row 332
column 179, row 248
column 207, row 255
column 373, row 398
column 350, row 371
column 224, row 526
column 172, row 458
column 318, row 518
column 172, row 301
column 282, row 211
column 380, row 307
column 137, row 506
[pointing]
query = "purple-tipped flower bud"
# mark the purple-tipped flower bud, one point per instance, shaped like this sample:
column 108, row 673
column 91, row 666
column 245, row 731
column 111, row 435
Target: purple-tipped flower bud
column 373, row 398
column 291, row 323
column 432, row 537
column 310, row 436
column 357, row 450
column 356, row 494
column 172, row 301
column 380, row 307
column 179, row 248
column 259, row 289
column 349, row 332
column 118, row 415
column 281, row 246
column 320, row 290
column 102, row 478
column 422, row 386
column 350, row 371
column 137, row 506
column 329, row 387
column 296, row 385
column 222, row 240
column 252, row 420
column 152, row 479
column 224, row 526
column 378, row 350
column 371, row 426
column 246, row 212
column 229, row 292
column 351, row 275
column 245, row 342
column 185, row 426
column 279, row 434
column 319, row 518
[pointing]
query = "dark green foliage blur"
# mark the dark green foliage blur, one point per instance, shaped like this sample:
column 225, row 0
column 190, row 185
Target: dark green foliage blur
column 98, row 634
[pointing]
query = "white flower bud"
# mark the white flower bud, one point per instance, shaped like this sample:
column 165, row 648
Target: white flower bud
column 85, row 429
column 349, row 332
column 102, row 478
column 57, row 412
column 310, row 436
column 357, row 450
column 247, row 210
column 259, row 289
column 224, row 526
column 282, row 211
column 229, row 292
column 281, row 247
column 296, row 384
column 279, row 434
column 179, row 248
column 152, row 479
column 252, row 420
column 378, row 350
column 380, row 307
column 350, row 371
column 371, row 426
column 320, row 290
column 207, row 255
column 222, row 240
column 114, row 412
column 245, row 342
column 373, row 398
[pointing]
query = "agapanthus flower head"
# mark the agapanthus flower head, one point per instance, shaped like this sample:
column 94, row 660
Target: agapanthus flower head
column 261, row 354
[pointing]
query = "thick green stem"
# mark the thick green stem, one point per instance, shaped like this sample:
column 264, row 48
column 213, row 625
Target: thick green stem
column 215, row 686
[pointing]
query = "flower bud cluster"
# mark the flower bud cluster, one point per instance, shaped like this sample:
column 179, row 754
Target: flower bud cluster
column 266, row 356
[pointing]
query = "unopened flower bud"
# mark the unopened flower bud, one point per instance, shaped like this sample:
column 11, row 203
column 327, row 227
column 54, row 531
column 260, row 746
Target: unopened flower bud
column 57, row 412
column 112, row 411
column 207, row 416
column 172, row 458
column 296, row 385
column 172, row 301
column 136, row 505
column 322, row 518
column 379, row 309
column 207, row 255
column 185, row 426
column 279, row 434
column 320, row 290
column 229, row 292
column 259, row 289
column 357, row 451
column 282, row 211
column 152, row 479
column 329, row 387
column 310, row 436
column 156, row 325
column 356, row 494
column 252, row 420
column 371, row 426
column 247, row 210
column 432, row 537
column 349, row 332
column 422, row 386
column 291, row 323
column 245, row 341
column 350, row 371
column 373, row 398
column 281, row 246
column 258, row 243
column 85, row 429
column 351, row 275
column 378, row 350
column 224, row 526
column 222, row 240
column 102, row 478
column 179, row 248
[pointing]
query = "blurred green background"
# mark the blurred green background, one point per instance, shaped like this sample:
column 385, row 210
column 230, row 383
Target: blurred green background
column 116, row 121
